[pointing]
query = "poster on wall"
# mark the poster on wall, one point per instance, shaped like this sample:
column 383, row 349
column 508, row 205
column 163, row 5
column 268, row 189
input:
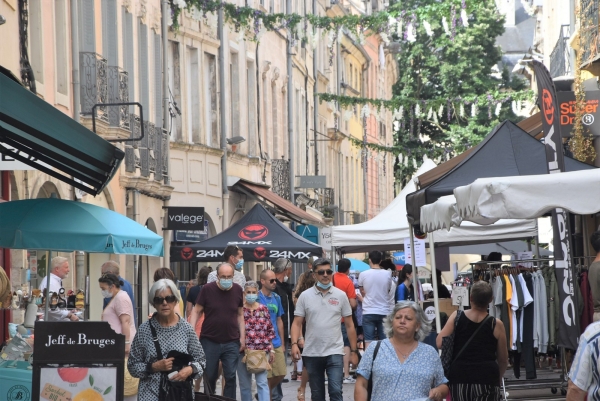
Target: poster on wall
column 78, row 383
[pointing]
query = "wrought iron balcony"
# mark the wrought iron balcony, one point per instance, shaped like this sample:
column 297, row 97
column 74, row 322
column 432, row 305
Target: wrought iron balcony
column 560, row 58
column 118, row 92
column 94, row 83
column 280, row 173
column 328, row 196
column 590, row 42
column 148, row 156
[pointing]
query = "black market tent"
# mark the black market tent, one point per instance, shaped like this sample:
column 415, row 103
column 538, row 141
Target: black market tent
column 32, row 131
column 258, row 234
column 506, row 151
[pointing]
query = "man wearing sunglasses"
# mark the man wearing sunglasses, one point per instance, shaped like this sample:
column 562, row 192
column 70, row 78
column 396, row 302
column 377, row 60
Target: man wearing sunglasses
column 322, row 306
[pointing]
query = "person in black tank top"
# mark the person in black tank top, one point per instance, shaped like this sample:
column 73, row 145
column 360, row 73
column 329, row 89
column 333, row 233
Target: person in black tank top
column 476, row 370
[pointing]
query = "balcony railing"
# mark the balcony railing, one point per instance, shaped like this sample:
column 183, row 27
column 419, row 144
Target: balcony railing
column 590, row 42
column 118, row 92
column 280, row 171
column 560, row 58
column 149, row 155
column 94, row 84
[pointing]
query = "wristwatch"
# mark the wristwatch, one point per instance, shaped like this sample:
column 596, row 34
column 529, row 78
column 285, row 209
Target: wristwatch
column 354, row 350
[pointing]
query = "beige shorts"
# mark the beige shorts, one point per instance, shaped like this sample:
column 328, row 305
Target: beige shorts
column 278, row 367
column 596, row 316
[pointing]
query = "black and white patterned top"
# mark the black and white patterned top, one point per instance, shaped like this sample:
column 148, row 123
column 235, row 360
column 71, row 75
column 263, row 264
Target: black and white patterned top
column 180, row 337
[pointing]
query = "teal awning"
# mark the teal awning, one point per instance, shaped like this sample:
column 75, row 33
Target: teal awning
column 43, row 137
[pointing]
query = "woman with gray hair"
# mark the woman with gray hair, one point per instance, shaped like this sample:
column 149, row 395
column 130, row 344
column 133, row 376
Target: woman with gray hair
column 259, row 334
column 401, row 367
column 175, row 337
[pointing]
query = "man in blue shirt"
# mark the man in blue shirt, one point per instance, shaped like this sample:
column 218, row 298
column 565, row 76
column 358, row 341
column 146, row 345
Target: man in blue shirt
column 113, row 267
column 272, row 301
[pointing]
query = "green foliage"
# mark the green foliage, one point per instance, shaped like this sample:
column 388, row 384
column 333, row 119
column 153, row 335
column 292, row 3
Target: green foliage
column 457, row 67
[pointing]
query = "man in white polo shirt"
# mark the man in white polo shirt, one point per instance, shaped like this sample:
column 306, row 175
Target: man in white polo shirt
column 322, row 306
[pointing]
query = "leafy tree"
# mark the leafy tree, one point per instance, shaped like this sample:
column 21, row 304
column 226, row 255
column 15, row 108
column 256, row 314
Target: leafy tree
column 455, row 64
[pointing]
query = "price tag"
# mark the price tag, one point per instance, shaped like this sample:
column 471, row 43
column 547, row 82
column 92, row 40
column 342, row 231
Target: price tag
column 54, row 393
column 460, row 296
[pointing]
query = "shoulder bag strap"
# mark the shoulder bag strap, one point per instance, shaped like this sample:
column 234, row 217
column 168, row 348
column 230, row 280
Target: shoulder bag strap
column 472, row 336
column 370, row 383
column 159, row 354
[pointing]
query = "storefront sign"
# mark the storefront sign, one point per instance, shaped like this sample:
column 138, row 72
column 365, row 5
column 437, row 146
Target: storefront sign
column 72, row 361
column 591, row 112
column 7, row 162
column 420, row 254
column 325, row 238
column 313, row 181
column 399, row 259
column 190, row 235
column 185, row 218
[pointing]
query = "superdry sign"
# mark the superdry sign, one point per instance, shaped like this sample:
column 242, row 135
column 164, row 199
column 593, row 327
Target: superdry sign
column 260, row 236
column 591, row 112
column 185, row 218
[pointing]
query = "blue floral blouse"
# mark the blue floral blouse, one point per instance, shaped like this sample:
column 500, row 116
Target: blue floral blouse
column 397, row 381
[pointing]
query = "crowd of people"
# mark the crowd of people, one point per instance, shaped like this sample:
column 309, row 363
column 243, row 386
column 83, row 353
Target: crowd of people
column 337, row 328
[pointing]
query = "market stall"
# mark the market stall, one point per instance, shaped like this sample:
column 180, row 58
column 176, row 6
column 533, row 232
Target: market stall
column 62, row 225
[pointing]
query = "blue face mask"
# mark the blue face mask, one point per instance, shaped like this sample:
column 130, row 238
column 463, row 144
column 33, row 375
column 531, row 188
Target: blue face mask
column 226, row 283
column 239, row 265
column 323, row 286
column 251, row 298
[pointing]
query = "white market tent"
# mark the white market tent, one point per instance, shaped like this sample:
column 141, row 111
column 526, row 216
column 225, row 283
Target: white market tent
column 390, row 227
column 487, row 200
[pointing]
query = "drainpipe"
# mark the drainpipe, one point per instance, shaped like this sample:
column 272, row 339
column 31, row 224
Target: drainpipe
column 165, row 67
column 363, row 91
column 572, row 21
column 136, row 259
column 75, row 61
column 290, row 102
column 222, row 105
column 316, row 97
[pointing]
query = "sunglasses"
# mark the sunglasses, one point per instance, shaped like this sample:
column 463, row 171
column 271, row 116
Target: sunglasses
column 169, row 298
column 272, row 280
column 329, row 272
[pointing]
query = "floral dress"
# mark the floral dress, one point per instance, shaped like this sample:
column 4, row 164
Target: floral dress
column 259, row 329
column 397, row 381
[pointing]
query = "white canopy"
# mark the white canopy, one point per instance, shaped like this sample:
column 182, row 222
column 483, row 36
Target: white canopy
column 390, row 227
column 526, row 197
column 443, row 214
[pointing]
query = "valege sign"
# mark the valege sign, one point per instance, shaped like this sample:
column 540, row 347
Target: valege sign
column 185, row 218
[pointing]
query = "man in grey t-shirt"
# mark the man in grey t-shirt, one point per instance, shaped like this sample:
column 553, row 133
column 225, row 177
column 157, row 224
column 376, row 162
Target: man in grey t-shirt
column 323, row 306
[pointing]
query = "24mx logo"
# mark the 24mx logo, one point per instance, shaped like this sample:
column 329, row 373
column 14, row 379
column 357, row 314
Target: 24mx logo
column 209, row 254
column 289, row 255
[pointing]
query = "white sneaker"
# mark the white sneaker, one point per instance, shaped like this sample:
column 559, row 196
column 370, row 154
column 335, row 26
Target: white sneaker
column 349, row 380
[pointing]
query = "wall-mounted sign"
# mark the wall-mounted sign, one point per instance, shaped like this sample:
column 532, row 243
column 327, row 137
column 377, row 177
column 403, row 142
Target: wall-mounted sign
column 7, row 162
column 190, row 235
column 313, row 181
column 591, row 112
column 325, row 238
column 185, row 218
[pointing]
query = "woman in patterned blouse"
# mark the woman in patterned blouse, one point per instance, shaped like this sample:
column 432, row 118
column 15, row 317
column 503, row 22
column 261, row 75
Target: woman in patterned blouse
column 259, row 333
column 174, row 334
column 404, row 369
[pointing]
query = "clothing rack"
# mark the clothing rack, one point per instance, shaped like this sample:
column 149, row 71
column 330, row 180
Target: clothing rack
column 553, row 384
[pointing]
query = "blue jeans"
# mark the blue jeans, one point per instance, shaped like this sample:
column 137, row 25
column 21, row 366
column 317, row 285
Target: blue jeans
column 317, row 366
column 277, row 393
column 262, row 385
column 373, row 327
column 228, row 354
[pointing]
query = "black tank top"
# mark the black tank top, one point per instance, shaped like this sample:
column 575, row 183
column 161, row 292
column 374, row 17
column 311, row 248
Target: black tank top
column 477, row 363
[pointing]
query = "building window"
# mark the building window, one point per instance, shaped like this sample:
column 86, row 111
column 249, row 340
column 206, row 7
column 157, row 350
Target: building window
column 277, row 151
column 128, row 63
column 144, row 78
column 36, row 39
column 110, row 48
column 251, row 106
column 175, row 89
column 62, row 54
column 210, row 100
column 234, row 93
column 193, row 95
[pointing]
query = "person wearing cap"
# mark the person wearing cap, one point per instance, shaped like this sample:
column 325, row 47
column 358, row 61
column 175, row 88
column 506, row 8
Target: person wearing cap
column 322, row 307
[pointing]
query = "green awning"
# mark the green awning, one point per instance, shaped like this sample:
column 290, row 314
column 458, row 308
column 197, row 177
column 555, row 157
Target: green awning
column 43, row 137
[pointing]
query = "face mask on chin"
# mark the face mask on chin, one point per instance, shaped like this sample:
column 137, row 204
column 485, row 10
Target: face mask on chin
column 323, row 286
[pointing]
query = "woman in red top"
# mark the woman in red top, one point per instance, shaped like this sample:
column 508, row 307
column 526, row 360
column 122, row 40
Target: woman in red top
column 259, row 333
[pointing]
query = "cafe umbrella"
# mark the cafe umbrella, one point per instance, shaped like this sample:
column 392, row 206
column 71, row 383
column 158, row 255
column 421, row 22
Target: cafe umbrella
column 65, row 226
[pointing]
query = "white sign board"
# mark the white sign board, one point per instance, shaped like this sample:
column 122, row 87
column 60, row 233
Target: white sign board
column 525, row 256
column 420, row 254
column 325, row 238
column 7, row 162
column 460, row 296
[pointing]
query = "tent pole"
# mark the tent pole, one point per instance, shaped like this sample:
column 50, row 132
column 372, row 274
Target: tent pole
column 47, row 285
column 333, row 258
column 434, row 284
column 412, row 259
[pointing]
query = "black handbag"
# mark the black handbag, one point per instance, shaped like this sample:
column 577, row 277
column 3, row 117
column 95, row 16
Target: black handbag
column 209, row 396
column 170, row 390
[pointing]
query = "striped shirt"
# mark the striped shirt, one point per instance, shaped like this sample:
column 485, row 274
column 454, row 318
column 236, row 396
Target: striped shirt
column 584, row 371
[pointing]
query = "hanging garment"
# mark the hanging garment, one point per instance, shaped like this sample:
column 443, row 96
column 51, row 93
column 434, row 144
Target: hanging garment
column 527, row 300
column 528, row 352
column 514, row 306
column 534, row 294
column 504, row 316
column 587, row 316
column 541, row 304
column 498, row 297
column 519, row 312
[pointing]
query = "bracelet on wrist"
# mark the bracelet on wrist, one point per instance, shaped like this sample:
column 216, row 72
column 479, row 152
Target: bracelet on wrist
column 296, row 343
